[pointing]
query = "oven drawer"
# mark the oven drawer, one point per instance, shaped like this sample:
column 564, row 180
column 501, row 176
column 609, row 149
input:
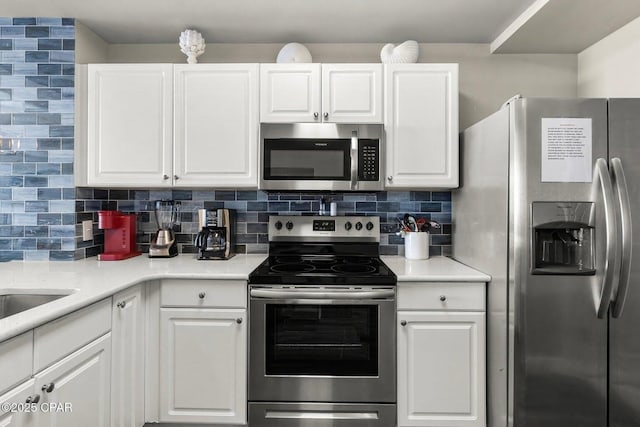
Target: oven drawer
column 441, row 296
column 203, row 293
column 321, row 415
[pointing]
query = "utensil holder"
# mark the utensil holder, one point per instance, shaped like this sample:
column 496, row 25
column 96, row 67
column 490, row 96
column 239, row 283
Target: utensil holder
column 416, row 245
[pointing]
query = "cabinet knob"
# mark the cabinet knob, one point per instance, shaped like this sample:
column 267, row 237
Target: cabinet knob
column 165, row 177
column 176, row 177
column 239, row 320
column 315, row 116
column 201, row 295
column 390, row 178
column 443, row 298
column 48, row 388
column 122, row 304
column 403, row 322
column 33, row 399
column 326, row 115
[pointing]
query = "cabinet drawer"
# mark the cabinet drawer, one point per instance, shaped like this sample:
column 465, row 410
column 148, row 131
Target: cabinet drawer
column 203, row 293
column 441, row 296
column 63, row 336
column 16, row 360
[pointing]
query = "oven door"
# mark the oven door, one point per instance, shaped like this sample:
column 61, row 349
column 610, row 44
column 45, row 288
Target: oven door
column 319, row 345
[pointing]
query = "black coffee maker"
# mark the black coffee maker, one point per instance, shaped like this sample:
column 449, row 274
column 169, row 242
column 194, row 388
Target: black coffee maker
column 216, row 237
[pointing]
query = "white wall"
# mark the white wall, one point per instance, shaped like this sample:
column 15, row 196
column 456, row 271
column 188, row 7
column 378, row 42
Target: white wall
column 90, row 48
column 611, row 67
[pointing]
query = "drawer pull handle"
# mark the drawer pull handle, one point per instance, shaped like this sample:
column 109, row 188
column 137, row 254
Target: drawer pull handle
column 403, row 322
column 239, row 320
column 122, row 304
column 48, row 387
column 201, row 295
column 315, row 116
column 33, row 399
column 443, row 298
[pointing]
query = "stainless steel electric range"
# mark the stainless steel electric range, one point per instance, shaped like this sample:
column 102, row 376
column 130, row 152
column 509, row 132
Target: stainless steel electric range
column 322, row 326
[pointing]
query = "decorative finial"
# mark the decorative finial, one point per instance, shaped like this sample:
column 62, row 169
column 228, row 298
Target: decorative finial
column 192, row 45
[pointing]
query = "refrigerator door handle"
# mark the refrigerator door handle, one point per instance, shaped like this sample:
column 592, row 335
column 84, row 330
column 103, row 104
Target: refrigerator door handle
column 627, row 236
column 611, row 259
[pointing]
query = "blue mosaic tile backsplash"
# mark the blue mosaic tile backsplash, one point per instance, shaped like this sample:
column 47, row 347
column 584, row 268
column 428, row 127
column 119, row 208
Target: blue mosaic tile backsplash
column 254, row 207
column 37, row 195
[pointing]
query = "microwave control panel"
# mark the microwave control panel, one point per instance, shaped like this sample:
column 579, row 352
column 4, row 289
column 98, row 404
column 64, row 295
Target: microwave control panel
column 369, row 160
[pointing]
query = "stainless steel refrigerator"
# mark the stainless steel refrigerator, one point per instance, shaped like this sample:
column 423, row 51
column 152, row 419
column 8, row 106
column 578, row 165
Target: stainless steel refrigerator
column 545, row 209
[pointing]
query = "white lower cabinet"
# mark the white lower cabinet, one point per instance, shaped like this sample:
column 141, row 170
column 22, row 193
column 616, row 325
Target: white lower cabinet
column 14, row 406
column 75, row 392
column 441, row 358
column 127, row 363
column 203, row 365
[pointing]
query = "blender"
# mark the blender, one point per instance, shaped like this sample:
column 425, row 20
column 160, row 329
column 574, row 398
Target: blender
column 163, row 244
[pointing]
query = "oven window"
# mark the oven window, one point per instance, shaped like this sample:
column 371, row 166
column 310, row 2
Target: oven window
column 338, row 340
column 308, row 160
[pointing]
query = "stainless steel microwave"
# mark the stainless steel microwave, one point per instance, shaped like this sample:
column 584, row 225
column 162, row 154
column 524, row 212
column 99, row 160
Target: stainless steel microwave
column 321, row 157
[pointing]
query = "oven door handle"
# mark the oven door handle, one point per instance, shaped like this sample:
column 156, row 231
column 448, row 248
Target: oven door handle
column 298, row 294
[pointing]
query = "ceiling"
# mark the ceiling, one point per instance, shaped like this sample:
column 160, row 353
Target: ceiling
column 510, row 26
column 281, row 21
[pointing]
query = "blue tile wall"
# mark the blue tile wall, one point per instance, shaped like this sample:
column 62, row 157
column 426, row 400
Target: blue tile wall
column 253, row 210
column 37, row 197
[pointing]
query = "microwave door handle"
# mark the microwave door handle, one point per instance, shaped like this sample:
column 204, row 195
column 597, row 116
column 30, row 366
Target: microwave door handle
column 626, row 233
column 354, row 160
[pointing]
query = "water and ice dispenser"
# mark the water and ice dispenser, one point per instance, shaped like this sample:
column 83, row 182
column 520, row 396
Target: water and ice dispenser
column 563, row 237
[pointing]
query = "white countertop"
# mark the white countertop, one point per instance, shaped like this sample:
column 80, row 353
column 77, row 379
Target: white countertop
column 435, row 269
column 91, row 280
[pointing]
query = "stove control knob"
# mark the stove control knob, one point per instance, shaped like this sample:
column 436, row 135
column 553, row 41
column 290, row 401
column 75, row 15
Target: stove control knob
column 278, row 225
column 289, row 225
column 369, row 226
column 347, row 225
column 358, row 226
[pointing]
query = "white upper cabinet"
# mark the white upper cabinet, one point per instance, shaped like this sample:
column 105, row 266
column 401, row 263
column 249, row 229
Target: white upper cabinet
column 314, row 93
column 133, row 111
column 421, row 123
column 352, row 93
column 216, row 125
column 290, row 93
column 129, row 140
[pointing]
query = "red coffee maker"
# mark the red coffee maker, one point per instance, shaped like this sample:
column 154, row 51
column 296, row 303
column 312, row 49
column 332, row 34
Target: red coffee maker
column 119, row 235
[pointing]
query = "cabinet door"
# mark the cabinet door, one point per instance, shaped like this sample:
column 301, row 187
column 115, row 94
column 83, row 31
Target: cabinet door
column 421, row 123
column 216, row 125
column 127, row 362
column 290, row 93
column 441, row 369
column 77, row 388
column 203, row 365
column 17, row 414
column 352, row 93
column 129, row 138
